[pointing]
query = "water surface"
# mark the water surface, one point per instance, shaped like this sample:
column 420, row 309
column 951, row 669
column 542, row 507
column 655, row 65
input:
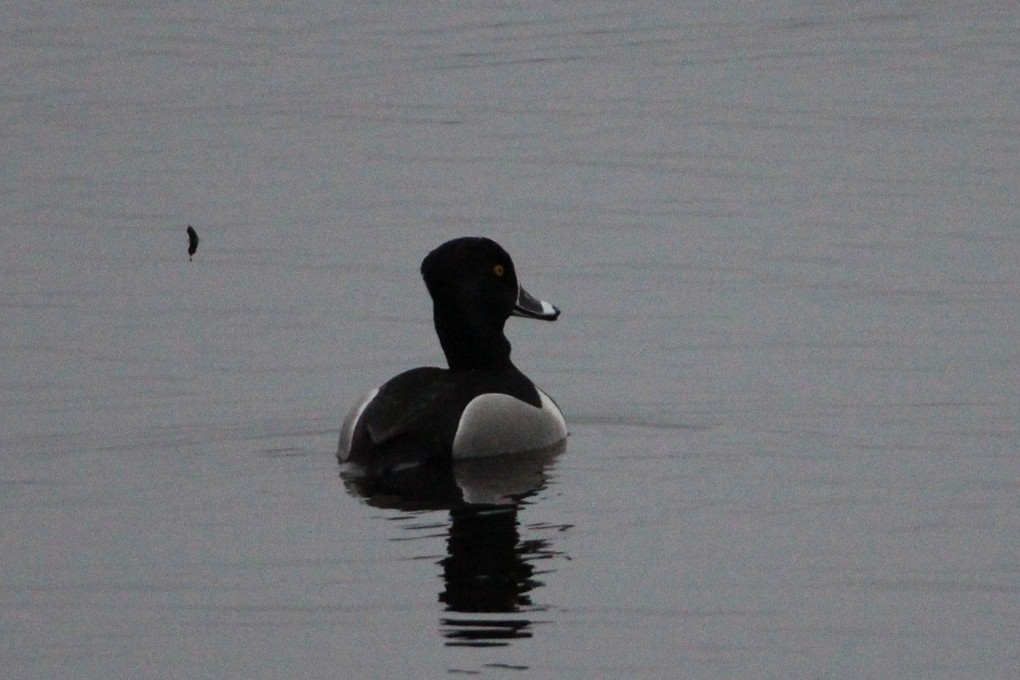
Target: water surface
column 784, row 238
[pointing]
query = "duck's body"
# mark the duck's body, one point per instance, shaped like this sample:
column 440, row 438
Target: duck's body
column 482, row 405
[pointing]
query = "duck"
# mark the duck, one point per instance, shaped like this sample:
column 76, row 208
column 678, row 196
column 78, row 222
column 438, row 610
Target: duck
column 481, row 405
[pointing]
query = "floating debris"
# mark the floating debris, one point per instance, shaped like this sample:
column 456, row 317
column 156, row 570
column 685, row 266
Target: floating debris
column 192, row 241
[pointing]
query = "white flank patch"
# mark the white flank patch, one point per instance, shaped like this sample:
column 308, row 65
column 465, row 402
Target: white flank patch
column 495, row 424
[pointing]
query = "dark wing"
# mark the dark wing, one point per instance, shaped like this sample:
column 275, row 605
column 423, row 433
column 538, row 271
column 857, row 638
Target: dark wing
column 408, row 404
column 413, row 418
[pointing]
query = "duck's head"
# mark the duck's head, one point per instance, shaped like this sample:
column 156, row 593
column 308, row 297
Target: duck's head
column 474, row 289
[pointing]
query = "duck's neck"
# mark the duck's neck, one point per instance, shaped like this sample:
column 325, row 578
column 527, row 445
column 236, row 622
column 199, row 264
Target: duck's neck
column 471, row 343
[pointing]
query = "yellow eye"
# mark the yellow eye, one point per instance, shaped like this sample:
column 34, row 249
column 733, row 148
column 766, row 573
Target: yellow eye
column 498, row 270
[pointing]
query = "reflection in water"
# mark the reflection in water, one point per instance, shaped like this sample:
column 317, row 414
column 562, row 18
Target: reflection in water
column 488, row 569
column 485, row 570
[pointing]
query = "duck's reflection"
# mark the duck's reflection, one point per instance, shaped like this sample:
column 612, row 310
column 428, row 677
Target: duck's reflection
column 488, row 569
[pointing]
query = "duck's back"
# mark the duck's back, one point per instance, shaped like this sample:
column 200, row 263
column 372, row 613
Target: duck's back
column 418, row 417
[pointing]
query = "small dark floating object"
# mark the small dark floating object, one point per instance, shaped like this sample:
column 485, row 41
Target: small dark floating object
column 192, row 241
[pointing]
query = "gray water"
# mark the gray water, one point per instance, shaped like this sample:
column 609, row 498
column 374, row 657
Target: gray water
column 784, row 236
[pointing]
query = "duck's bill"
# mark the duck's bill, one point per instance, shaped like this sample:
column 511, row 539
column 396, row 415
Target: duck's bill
column 533, row 308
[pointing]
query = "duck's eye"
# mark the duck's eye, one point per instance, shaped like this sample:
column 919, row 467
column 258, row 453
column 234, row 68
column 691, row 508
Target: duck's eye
column 498, row 270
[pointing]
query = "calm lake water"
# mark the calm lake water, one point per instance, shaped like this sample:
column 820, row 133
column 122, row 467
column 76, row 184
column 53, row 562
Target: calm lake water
column 784, row 236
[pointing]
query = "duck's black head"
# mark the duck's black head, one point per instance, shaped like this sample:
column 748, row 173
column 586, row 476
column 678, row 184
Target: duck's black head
column 474, row 289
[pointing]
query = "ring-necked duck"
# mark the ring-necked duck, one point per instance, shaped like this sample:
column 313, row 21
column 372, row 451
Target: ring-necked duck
column 482, row 405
